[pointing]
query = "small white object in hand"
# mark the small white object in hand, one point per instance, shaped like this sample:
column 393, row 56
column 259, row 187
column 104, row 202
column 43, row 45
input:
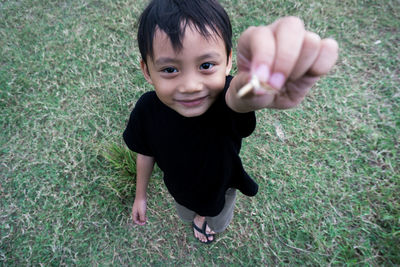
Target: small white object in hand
column 254, row 84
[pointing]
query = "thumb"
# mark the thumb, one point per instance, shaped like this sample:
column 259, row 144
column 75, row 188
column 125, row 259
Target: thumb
column 135, row 216
column 256, row 51
column 239, row 80
column 142, row 218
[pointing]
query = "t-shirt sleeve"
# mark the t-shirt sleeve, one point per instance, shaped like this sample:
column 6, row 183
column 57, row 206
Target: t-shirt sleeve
column 136, row 134
column 244, row 123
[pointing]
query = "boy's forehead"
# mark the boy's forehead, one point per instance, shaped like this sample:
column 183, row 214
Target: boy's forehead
column 162, row 39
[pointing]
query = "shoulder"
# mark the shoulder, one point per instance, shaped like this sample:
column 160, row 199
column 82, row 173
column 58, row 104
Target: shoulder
column 145, row 103
column 147, row 98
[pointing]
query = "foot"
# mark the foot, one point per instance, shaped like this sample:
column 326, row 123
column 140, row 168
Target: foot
column 201, row 230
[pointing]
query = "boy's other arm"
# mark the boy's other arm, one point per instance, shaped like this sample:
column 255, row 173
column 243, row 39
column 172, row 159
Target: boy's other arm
column 284, row 56
column 144, row 168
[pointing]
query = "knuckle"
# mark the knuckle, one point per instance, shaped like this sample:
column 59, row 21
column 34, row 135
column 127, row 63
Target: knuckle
column 256, row 31
column 251, row 28
column 248, row 32
column 292, row 24
column 262, row 30
column 295, row 21
column 312, row 37
column 331, row 44
column 312, row 42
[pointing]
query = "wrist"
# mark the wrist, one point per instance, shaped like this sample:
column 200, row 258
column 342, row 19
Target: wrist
column 141, row 197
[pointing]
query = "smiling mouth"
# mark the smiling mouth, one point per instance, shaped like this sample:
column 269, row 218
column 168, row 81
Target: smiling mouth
column 192, row 102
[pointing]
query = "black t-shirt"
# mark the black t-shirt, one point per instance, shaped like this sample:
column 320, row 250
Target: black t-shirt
column 199, row 155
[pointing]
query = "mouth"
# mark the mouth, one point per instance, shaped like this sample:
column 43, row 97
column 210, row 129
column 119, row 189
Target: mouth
column 192, row 102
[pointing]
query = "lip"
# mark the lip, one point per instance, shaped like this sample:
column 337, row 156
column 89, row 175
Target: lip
column 192, row 102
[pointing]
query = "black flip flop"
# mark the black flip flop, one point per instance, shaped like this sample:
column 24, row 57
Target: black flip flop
column 203, row 232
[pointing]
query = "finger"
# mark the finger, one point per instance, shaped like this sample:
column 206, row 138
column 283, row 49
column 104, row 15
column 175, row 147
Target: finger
column 295, row 92
column 289, row 35
column 308, row 54
column 326, row 58
column 142, row 218
column 240, row 81
column 135, row 217
column 257, row 47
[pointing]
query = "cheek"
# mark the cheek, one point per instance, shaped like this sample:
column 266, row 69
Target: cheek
column 164, row 91
column 217, row 84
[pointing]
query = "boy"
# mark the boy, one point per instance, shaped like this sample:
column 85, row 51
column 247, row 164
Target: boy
column 193, row 123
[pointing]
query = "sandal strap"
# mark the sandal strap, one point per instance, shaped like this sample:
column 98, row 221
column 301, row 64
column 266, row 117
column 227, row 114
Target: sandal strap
column 203, row 230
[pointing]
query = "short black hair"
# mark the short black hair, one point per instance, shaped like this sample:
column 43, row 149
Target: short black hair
column 172, row 17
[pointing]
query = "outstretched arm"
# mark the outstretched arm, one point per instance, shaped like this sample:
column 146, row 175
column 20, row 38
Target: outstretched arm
column 144, row 168
column 284, row 56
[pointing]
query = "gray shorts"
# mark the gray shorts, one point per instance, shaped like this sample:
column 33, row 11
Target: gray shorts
column 217, row 223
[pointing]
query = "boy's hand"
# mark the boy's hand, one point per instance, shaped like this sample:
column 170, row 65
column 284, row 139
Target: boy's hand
column 139, row 211
column 286, row 57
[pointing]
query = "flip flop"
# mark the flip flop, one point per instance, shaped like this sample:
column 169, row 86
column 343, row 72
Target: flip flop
column 202, row 231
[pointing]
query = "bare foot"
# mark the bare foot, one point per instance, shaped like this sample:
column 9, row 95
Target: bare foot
column 199, row 222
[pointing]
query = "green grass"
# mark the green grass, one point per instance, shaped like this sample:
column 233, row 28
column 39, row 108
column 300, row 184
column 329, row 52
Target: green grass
column 329, row 187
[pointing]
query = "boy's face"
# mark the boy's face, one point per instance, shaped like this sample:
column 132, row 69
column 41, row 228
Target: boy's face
column 189, row 81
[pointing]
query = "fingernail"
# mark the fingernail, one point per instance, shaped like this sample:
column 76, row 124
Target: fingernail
column 277, row 80
column 262, row 73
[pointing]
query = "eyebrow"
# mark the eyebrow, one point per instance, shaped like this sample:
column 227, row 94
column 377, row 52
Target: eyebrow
column 169, row 60
column 209, row 55
column 165, row 60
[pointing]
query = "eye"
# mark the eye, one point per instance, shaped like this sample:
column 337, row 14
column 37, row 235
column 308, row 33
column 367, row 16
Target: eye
column 169, row 70
column 206, row 66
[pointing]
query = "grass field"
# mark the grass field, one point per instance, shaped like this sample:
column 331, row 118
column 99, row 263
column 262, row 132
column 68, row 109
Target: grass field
column 328, row 170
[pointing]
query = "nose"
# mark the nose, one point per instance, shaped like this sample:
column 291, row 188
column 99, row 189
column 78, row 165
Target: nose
column 191, row 84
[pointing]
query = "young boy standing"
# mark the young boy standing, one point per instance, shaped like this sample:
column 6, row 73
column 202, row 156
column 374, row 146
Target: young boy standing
column 193, row 123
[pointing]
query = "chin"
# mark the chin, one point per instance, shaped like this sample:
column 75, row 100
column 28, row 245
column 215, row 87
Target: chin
column 192, row 112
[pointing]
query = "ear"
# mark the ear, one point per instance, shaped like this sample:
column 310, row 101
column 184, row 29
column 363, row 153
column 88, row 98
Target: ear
column 145, row 71
column 229, row 64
